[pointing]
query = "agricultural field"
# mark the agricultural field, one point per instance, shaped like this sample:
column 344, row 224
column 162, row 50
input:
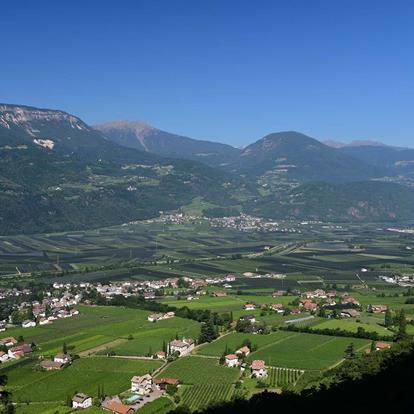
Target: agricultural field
column 352, row 326
column 283, row 377
column 234, row 340
column 28, row 383
column 99, row 329
column 200, row 396
column 307, row 351
column 199, row 370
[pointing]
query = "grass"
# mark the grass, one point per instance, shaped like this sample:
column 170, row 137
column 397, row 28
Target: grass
column 199, row 370
column 282, row 377
column 306, row 351
column 27, row 383
column 201, row 396
column 162, row 405
column 352, row 326
column 234, row 340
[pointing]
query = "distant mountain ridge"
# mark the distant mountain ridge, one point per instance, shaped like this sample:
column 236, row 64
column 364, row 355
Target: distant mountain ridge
column 59, row 173
column 139, row 135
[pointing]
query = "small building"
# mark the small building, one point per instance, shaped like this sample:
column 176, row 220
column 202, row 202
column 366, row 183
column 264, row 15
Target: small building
column 232, row 360
column 258, row 369
column 10, row 341
column 183, row 347
column 3, row 357
column 155, row 317
column 49, row 365
column 350, row 313
column 115, row 406
column 220, row 294
column 381, row 346
column 379, row 308
column 28, row 324
column 160, row 355
column 277, row 307
column 63, row 358
column 249, row 306
column 249, row 318
column 43, row 321
column 162, row 383
column 243, row 350
column 81, row 401
column 141, row 384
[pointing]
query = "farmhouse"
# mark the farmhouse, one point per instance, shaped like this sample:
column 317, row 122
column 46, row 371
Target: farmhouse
column 249, row 306
column 232, row 360
column 155, row 317
column 3, row 357
column 49, row 365
column 28, row 324
column 19, row 351
column 115, row 406
column 349, row 300
column 350, row 313
column 160, row 355
column 183, row 347
column 220, row 294
column 243, row 350
column 308, row 305
column 162, row 383
column 277, row 307
column 63, row 358
column 258, row 369
column 378, row 308
column 380, row 346
column 141, row 385
column 81, row 401
column 249, row 318
column 10, row 341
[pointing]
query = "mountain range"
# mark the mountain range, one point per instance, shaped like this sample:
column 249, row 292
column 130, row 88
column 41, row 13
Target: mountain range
column 59, row 173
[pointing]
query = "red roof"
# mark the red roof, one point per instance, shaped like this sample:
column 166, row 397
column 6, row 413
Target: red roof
column 258, row 364
column 117, row 407
column 232, row 357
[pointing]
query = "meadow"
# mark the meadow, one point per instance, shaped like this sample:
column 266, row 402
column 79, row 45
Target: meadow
column 307, row 351
column 199, row 370
column 28, row 383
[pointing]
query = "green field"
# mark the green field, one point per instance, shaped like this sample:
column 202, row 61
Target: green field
column 27, row 383
column 352, row 326
column 105, row 327
column 199, row 370
column 200, row 396
column 306, row 351
column 234, row 340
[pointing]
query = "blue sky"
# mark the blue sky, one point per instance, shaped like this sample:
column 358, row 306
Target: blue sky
column 224, row 70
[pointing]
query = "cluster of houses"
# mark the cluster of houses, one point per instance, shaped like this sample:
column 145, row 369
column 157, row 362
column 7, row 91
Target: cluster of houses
column 257, row 367
column 144, row 389
column 11, row 349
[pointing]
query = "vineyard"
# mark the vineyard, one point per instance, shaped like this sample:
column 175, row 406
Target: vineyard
column 199, row 396
column 279, row 377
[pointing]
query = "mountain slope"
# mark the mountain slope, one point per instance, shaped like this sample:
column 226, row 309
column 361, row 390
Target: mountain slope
column 137, row 134
column 56, row 173
column 367, row 201
column 292, row 155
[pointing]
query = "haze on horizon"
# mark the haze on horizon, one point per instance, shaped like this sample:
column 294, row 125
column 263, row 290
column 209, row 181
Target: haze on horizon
column 226, row 71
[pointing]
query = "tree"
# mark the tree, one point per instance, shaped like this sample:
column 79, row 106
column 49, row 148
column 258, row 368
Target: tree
column 350, row 351
column 64, row 348
column 373, row 347
column 208, row 332
column 402, row 325
column 388, row 318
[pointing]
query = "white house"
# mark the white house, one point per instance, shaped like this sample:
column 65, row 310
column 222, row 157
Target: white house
column 249, row 306
column 232, row 360
column 81, row 401
column 141, row 385
column 43, row 321
column 62, row 358
column 183, row 347
column 243, row 350
column 28, row 324
column 3, row 357
column 258, row 369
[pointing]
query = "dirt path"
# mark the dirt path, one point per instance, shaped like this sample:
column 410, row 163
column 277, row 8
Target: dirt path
column 102, row 347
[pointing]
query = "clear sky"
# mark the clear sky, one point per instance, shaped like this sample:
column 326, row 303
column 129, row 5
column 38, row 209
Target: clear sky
column 227, row 70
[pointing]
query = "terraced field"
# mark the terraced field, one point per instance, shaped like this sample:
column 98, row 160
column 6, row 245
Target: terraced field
column 281, row 377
